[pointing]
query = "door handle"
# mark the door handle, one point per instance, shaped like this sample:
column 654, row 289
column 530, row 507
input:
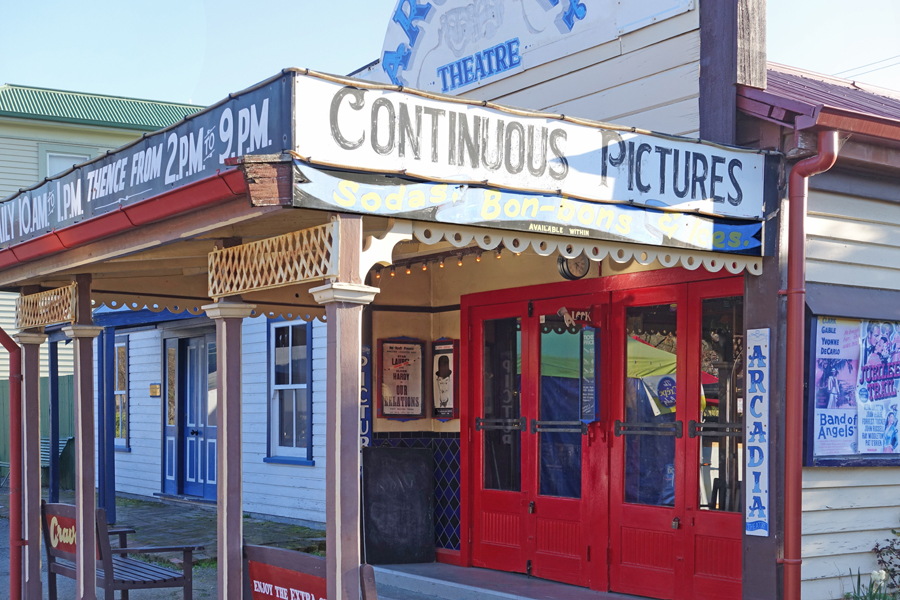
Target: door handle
column 194, row 432
column 531, row 507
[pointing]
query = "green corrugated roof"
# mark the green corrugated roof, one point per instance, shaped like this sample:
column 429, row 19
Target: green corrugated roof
column 90, row 109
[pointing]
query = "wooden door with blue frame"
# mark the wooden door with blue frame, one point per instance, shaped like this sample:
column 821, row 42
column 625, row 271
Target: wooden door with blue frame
column 191, row 405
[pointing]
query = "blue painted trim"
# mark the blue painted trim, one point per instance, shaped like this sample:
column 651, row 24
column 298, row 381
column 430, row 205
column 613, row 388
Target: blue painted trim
column 309, row 391
column 109, row 343
column 124, row 318
column 284, row 460
column 309, row 394
column 102, row 367
column 122, row 449
column 53, row 357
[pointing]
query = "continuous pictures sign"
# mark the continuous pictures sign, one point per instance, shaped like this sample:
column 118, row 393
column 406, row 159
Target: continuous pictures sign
column 387, row 131
column 365, row 399
column 402, row 378
column 453, row 46
column 256, row 122
column 756, row 483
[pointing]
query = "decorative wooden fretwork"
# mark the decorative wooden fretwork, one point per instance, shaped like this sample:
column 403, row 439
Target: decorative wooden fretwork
column 297, row 257
column 46, row 308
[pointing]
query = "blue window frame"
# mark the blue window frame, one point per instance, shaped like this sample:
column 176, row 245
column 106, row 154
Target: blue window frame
column 290, row 393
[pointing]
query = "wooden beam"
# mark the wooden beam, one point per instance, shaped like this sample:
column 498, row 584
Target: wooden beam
column 143, row 238
column 751, row 43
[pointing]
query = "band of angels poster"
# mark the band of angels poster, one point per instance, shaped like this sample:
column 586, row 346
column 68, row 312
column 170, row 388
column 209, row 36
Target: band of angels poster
column 857, row 368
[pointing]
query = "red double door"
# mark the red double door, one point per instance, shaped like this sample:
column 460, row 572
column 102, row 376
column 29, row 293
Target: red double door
column 645, row 500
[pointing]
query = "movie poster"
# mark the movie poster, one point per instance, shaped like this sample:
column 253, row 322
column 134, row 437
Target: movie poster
column 876, row 386
column 836, row 370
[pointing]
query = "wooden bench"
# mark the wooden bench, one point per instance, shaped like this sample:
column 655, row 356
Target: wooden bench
column 298, row 575
column 45, row 455
column 115, row 571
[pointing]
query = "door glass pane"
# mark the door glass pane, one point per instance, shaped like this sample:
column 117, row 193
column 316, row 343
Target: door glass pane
column 298, row 354
column 121, row 368
column 301, row 426
column 721, row 403
column 286, row 420
column 650, row 384
column 282, row 355
column 171, row 382
column 212, row 380
column 560, row 406
column 502, row 404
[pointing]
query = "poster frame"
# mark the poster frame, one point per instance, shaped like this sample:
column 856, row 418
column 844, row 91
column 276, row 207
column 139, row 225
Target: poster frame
column 425, row 356
column 809, row 409
column 455, row 361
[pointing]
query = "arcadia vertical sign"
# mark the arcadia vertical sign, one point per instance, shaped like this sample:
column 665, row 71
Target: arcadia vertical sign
column 756, row 481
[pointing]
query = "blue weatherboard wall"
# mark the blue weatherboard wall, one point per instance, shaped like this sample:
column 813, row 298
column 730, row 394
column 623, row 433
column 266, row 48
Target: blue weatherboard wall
column 446, row 478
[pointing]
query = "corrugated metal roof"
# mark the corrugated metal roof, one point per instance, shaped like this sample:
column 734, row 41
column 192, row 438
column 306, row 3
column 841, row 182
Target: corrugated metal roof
column 815, row 89
column 90, row 109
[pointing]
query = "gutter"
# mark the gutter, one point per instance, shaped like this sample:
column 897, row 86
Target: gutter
column 796, row 310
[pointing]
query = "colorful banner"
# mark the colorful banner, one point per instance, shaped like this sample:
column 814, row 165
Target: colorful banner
column 532, row 213
column 876, row 391
column 344, row 125
column 836, row 353
column 756, row 482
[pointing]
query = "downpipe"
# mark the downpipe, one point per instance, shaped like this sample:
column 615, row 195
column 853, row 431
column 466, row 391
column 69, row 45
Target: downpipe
column 16, row 543
column 798, row 193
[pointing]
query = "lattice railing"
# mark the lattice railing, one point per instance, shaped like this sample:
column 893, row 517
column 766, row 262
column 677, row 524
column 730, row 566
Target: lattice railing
column 46, row 308
column 297, row 257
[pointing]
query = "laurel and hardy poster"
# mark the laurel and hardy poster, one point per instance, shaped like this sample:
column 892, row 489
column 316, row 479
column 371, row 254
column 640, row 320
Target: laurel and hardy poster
column 402, row 369
column 445, row 369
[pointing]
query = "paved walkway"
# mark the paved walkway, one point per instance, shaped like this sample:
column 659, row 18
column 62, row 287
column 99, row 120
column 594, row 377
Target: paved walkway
column 168, row 524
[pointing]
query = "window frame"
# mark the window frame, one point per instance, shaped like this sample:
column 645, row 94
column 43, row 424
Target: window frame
column 45, row 149
column 275, row 453
column 121, row 443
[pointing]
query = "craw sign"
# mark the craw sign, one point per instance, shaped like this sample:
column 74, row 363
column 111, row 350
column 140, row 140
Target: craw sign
column 256, row 122
column 757, row 479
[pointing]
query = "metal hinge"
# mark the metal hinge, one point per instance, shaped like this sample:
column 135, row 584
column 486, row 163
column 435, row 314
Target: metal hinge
column 470, row 333
column 470, row 535
column 589, row 554
column 528, row 568
column 530, row 314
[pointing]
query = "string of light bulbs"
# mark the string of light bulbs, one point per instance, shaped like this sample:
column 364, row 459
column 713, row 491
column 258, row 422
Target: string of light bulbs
column 439, row 259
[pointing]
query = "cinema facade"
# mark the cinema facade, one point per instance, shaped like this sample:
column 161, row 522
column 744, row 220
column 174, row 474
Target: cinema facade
column 590, row 434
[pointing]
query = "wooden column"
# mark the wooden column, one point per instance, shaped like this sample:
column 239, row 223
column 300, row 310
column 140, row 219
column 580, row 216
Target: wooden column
column 344, row 299
column 85, row 492
column 53, row 360
column 229, row 317
column 31, row 446
column 83, row 334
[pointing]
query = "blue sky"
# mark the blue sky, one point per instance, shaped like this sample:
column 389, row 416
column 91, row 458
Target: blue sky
column 198, row 51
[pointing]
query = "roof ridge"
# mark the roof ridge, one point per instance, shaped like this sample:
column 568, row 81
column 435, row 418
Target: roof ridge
column 93, row 95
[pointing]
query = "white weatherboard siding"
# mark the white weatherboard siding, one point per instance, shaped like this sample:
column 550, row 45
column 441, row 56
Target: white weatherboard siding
column 853, row 241
column 648, row 79
column 139, row 471
column 284, row 491
column 18, row 164
column 845, row 512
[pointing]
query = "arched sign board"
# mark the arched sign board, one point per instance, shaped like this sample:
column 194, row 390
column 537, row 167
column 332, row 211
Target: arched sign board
column 453, row 46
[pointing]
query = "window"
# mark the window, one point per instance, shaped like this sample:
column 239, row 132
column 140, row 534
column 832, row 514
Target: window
column 57, row 158
column 121, row 391
column 290, row 412
column 58, row 162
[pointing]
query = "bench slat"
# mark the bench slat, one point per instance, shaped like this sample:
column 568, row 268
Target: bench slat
column 129, row 569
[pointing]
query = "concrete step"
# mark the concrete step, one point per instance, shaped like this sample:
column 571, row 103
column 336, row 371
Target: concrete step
column 446, row 582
